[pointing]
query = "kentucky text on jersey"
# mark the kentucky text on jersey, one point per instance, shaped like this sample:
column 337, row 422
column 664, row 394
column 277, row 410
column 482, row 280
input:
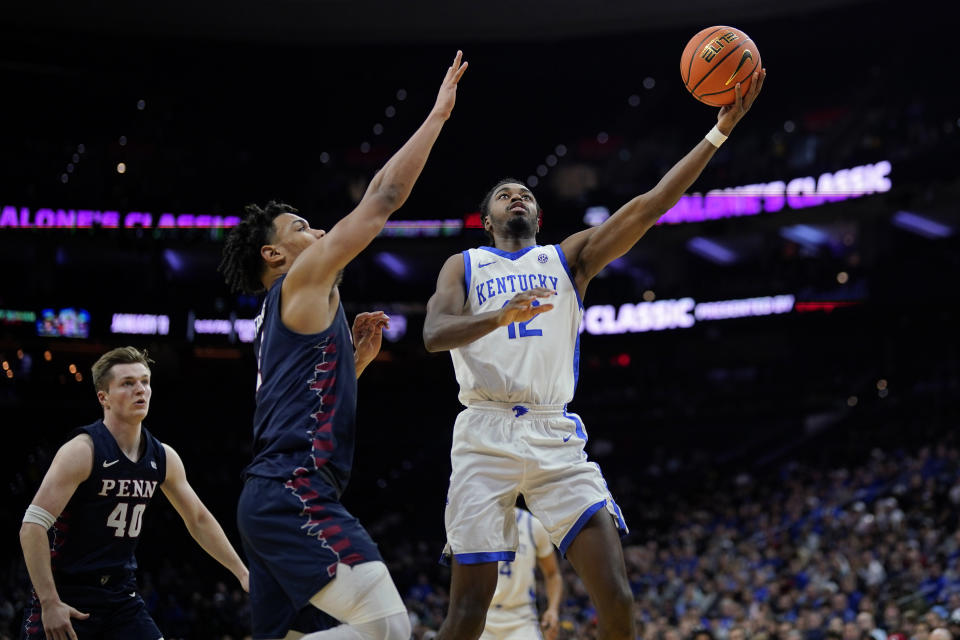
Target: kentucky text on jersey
column 507, row 364
column 513, row 284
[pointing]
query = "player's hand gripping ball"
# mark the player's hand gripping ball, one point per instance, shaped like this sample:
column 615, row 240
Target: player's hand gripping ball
column 714, row 61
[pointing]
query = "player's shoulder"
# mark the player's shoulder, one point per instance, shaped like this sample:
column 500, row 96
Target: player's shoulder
column 75, row 457
column 458, row 257
column 558, row 247
column 571, row 246
column 168, row 452
column 80, row 444
column 454, row 264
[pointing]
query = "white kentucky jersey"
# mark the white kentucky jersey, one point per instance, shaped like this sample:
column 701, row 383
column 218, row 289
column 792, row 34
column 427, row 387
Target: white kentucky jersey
column 516, row 584
column 534, row 362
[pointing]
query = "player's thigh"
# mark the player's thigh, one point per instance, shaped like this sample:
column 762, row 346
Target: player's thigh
column 271, row 612
column 487, row 469
column 562, row 488
column 130, row 621
column 31, row 627
column 33, row 630
column 299, row 533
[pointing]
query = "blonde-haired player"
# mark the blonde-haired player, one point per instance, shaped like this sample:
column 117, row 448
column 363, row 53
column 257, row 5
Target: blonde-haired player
column 513, row 610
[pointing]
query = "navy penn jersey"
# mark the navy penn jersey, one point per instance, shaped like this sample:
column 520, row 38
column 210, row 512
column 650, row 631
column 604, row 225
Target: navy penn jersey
column 97, row 532
column 306, row 402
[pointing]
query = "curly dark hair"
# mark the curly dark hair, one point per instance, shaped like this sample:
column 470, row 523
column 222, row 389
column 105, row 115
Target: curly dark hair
column 241, row 263
column 485, row 203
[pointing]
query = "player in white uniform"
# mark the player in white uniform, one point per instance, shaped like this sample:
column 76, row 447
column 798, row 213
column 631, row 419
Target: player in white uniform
column 510, row 314
column 513, row 610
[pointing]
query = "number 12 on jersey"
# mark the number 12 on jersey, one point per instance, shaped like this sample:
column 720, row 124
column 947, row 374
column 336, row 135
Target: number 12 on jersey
column 523, row 330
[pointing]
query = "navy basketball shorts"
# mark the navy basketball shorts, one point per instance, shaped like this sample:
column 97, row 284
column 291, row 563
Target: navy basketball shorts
column 294, row 533
column 115, row 614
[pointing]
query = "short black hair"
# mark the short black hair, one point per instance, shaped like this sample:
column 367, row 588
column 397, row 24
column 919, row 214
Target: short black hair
column 241, row 263
column 485, row 203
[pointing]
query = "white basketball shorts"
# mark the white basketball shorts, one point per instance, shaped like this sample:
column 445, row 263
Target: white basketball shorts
column 502, row 450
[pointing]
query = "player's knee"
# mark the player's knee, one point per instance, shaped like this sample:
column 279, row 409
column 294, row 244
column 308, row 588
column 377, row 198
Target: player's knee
column 468, row 615
column 398, row 627
column 617, row 616
column 392, row 627
column 624, row 600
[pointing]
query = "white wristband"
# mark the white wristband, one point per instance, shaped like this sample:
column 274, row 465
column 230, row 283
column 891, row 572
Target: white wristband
column 715, row 138
column 39, row 515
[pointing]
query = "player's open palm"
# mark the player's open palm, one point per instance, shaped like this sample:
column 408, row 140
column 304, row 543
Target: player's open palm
column 525, row 305
column 730, row 114
column 56, row 621
column 448, row 90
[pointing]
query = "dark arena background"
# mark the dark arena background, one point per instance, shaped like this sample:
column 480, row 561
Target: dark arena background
column 770, row 378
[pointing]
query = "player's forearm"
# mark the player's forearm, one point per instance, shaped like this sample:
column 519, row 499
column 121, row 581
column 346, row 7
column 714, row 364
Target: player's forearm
column 394, row 182
column 443, row 332
column 210, row 536
column 36, row 555
column 678, row 180
column 360, row 365
column 554, row 585
column 683, row 174
column 618, row 235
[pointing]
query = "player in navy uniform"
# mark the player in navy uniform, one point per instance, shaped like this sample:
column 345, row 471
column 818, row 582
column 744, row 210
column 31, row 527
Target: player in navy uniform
column 303, row 546
column 91, row 503
column 516, row 360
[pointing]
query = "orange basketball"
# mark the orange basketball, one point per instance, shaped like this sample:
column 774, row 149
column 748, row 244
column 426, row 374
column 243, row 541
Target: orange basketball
column 714, row 61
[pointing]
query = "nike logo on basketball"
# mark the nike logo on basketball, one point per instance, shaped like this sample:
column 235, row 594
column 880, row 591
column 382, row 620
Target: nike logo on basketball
column 568, row 437
column 746, row 55
column 110, row 464
column 485, row 264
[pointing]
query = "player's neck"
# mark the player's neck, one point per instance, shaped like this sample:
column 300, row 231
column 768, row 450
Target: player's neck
column 270, row 278
column 126, row 433
column 512, row 244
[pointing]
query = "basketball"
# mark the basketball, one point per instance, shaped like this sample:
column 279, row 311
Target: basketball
column 714, row 61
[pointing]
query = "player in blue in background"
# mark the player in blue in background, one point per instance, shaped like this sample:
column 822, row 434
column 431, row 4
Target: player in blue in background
column 303, row 546
column 91, row 503
column 513, row 610
column 516, row 360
